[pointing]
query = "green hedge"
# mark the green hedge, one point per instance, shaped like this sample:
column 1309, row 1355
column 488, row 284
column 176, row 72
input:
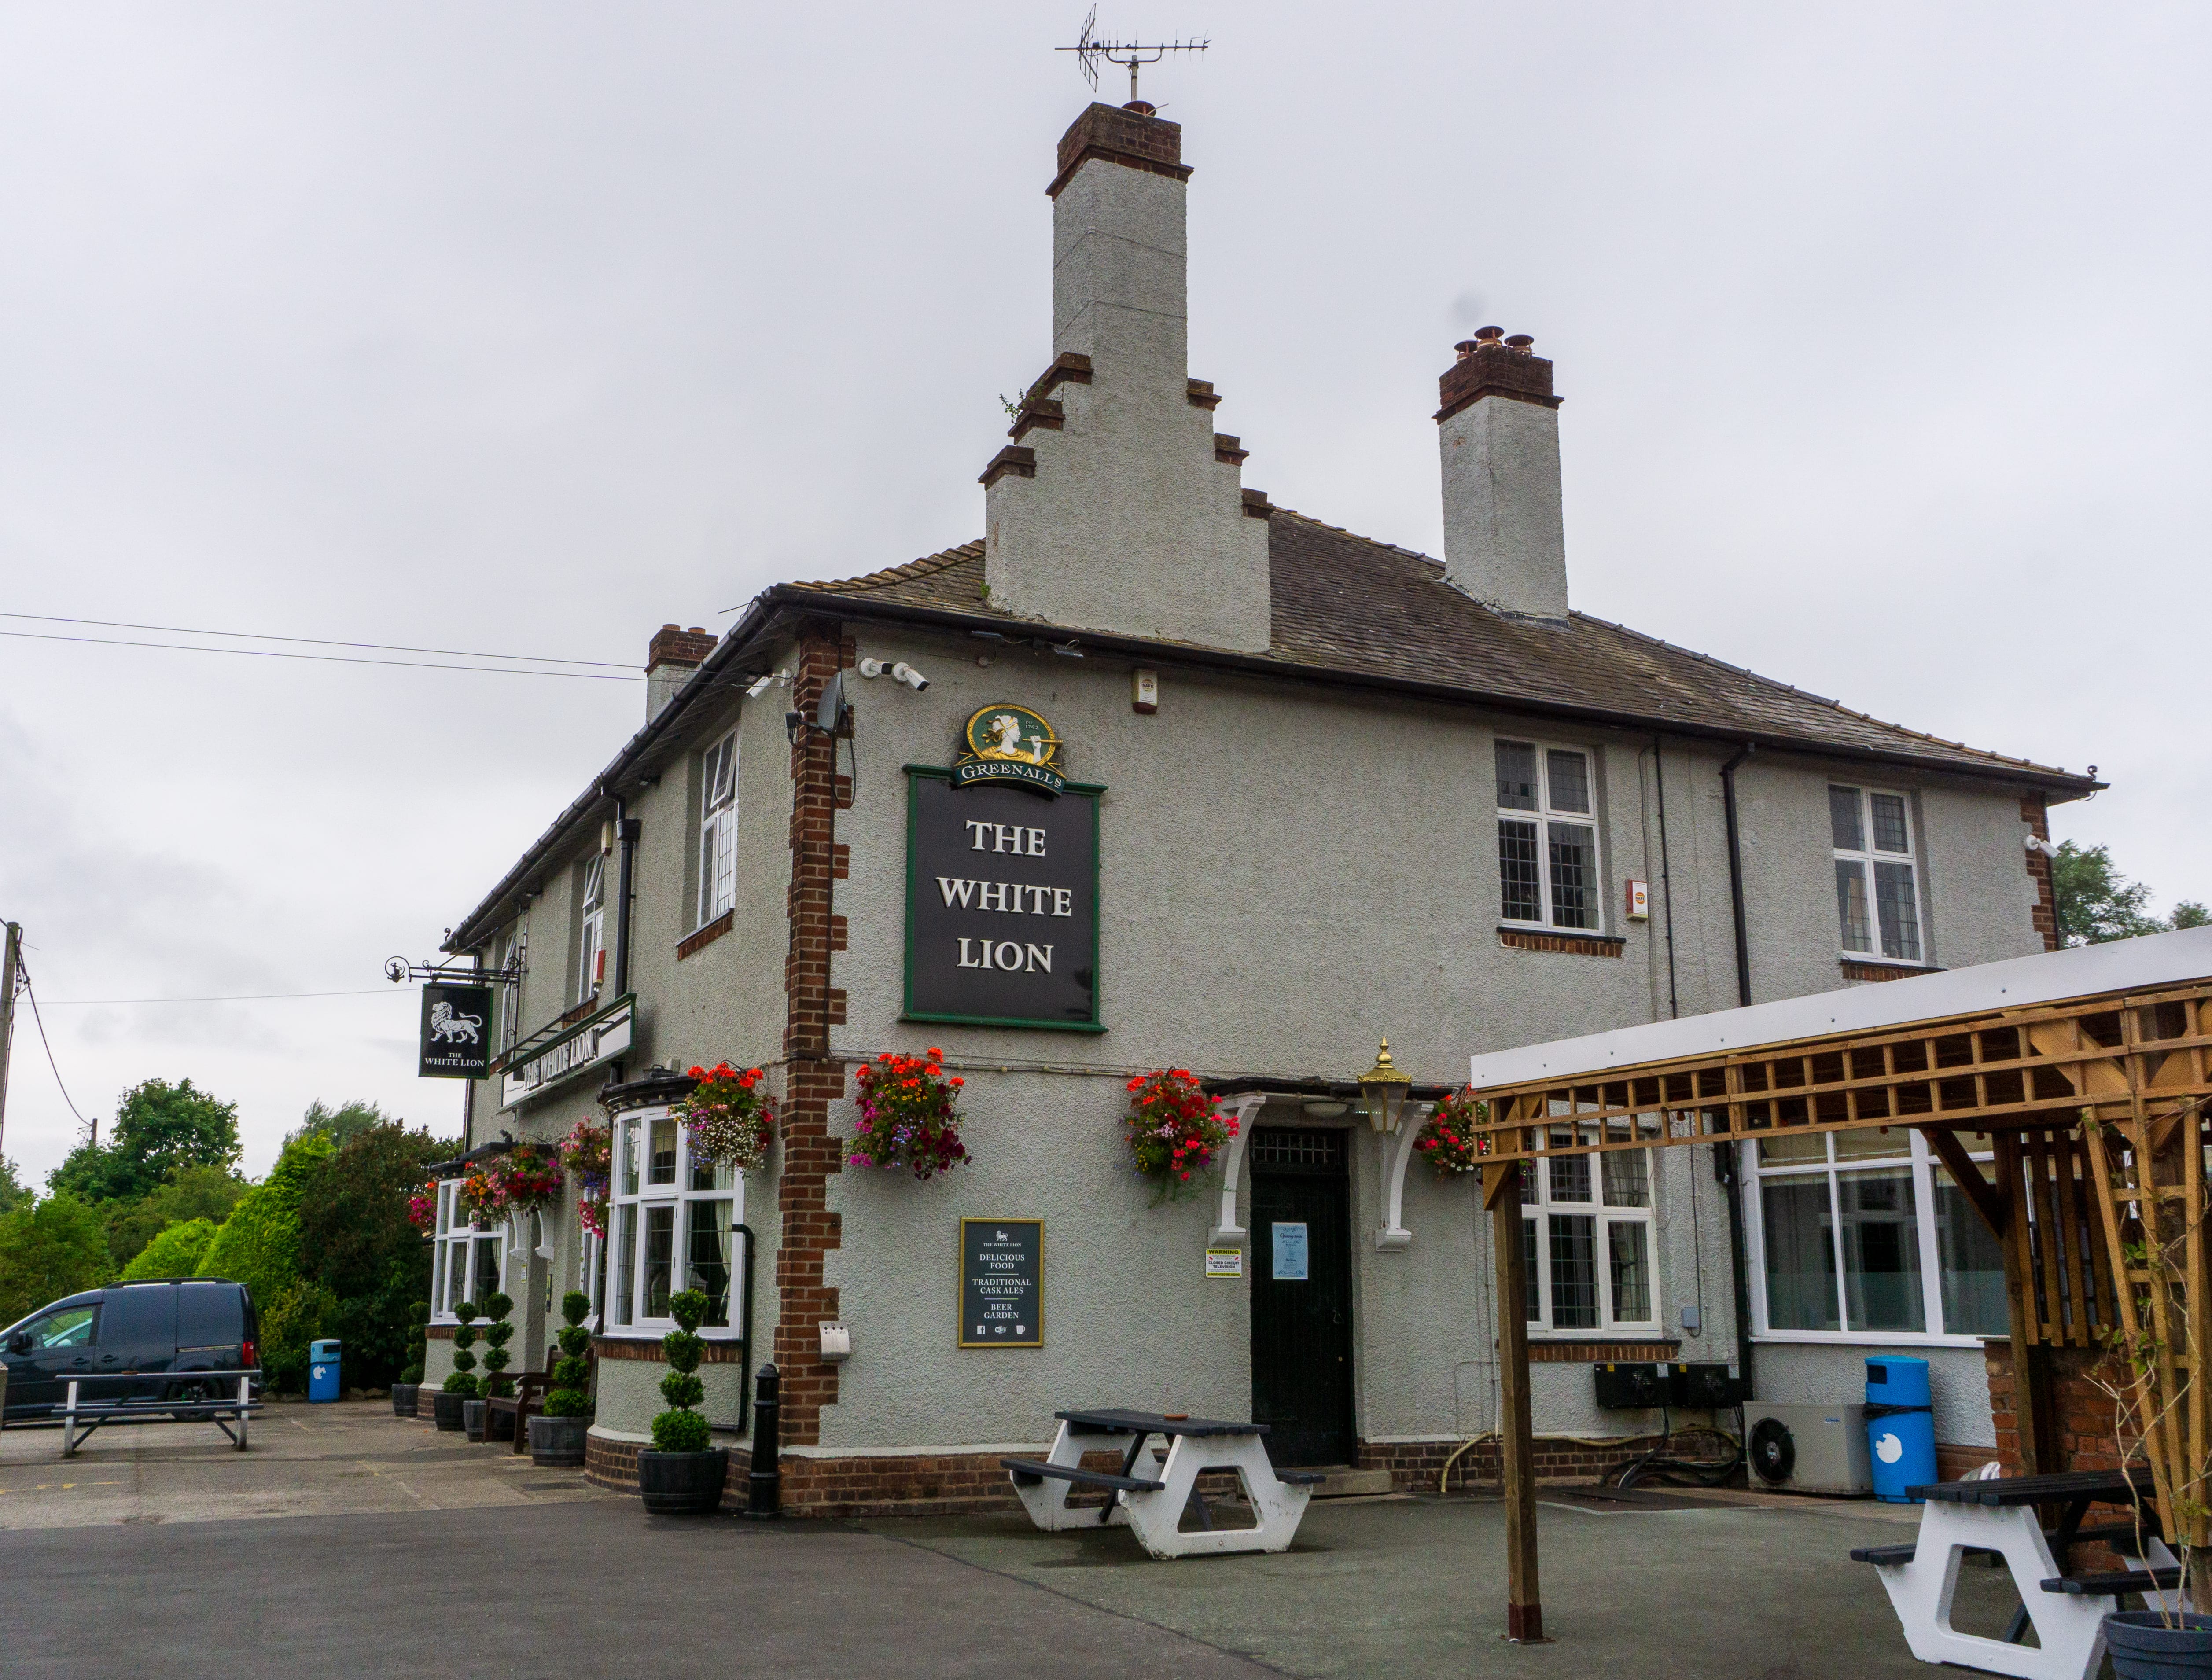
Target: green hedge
column 175, row 1251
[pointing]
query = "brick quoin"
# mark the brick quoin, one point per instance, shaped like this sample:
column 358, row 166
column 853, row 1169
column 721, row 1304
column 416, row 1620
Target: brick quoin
column 2034, row 812
column 812, row 1080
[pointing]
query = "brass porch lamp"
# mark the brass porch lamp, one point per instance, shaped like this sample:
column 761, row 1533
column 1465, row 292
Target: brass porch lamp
column 1385, row 1090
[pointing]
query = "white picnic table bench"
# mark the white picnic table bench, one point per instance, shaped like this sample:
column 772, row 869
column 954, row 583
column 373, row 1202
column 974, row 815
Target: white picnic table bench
column 1153, row 1506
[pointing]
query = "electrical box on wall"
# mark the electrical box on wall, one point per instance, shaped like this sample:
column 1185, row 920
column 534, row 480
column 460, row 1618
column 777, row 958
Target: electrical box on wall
column 1638, row 1387
column 1639, row 901
column 1699, row 1387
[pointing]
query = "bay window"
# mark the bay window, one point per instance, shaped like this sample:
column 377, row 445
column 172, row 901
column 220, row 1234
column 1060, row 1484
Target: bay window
column 672, row 1226
column 1586, row 1235
column 1865, row 1236
column 718, row 828
column 468, row 1260
column 1877, row 895
column 1547, row 860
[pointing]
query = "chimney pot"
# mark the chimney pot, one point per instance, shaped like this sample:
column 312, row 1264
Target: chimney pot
column 1519, row 340
column 1466, row 348
column 1488, row 333
column 1142, row 107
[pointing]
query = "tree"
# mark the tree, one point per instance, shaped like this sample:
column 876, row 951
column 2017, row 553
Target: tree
column 175, row 1252
column 360, row 1245
column 52, row 1249
column 158, row 1126
column 342, row 1124
column 13, row 1193
column 2098, row 904
column 192, row 1191
column 258, row 1245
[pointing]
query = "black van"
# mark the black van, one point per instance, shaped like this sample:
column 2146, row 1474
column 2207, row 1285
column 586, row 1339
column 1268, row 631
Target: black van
column 156, row 1333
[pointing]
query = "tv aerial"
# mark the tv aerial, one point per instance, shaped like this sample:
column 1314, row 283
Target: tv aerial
column 1090, row 47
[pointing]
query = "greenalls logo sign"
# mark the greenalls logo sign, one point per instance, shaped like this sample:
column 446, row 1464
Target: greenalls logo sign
column 1009, row 743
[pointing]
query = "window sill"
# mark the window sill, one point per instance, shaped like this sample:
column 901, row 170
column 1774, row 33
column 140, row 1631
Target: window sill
column 1881, row 968
column 1552, row 1348
column 1560, row 939
column 631, row 1344
column 706, row 935
column 1864, row 1338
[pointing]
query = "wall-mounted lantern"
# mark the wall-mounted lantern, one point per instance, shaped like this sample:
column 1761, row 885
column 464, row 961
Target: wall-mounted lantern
column 1385, row 1090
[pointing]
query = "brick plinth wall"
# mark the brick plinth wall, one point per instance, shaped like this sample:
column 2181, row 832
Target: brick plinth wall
column 612, row 1464
column 1414, row 1466
column 2080, row 1431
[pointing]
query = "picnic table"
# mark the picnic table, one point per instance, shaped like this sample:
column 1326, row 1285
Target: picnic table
column 1153, row 1505
column 197, row 1396
column 1997, row 1516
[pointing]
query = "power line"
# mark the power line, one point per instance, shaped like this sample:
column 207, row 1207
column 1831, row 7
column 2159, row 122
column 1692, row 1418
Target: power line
column 28, row 992
column 325, row 658
column 227, row 998
column 316, row 641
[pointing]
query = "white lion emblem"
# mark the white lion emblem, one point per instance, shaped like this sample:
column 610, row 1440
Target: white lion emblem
column 449, row 1026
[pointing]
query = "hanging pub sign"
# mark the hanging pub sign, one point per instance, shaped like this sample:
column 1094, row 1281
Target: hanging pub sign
column 456, row 1032
column 1002, row 887
column 1002, row 1282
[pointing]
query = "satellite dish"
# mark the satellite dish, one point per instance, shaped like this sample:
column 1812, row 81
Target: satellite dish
column 830, row 712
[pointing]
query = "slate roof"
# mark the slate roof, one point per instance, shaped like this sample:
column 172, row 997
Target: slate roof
column 1359, row 609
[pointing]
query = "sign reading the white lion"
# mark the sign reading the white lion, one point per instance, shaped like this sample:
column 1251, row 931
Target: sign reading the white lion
column 456, row 1032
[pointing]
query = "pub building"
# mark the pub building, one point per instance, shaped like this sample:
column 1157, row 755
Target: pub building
column 1161, row 774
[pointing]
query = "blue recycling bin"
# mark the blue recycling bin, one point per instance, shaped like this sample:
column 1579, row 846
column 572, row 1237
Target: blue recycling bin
column 323, row 1372
column 1900, row 1426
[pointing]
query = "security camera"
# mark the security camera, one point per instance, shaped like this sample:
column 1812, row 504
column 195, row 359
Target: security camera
column 871, row 668
column 905, row 673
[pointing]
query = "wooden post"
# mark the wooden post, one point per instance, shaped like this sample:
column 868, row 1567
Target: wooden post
column 1524, row 1607
column 2027, row 1408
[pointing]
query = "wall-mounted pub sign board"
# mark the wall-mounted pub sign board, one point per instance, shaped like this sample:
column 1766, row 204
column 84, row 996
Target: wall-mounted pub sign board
column 1002, row 1282
column 456, row 1032
column 1002, row 883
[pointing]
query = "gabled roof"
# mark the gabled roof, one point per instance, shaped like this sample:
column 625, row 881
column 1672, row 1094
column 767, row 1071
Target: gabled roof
column 1361, row 610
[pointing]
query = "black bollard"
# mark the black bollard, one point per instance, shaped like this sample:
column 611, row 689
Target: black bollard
column 767, row 1481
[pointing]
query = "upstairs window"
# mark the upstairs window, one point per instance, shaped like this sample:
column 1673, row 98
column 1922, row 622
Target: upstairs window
column 591, row 945
column 1548, row 865
column 510, row 991
column 717, row 829
column 1877, row 897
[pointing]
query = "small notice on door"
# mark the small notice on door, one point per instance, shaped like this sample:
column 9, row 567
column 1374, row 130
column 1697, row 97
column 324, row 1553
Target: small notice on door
column 1224, row 1263
column 1289, row 1247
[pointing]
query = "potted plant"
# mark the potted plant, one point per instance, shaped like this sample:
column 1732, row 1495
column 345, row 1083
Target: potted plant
column 1174, row 1130
column 498, row 1426
column 908, row 1118
column 450, row 1405
column 406, row 1392
column 681, row 1475
column 556, row 1439
column 1448, row 1139
column 729, row 1119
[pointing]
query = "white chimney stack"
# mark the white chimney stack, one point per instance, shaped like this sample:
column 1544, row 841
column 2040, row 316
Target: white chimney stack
column 670, row 658
column 1117, row 506
column 1504, row 540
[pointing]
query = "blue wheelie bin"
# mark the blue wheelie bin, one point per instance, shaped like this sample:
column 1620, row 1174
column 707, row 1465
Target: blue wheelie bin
column 323, row 1385
column 1900, row 1426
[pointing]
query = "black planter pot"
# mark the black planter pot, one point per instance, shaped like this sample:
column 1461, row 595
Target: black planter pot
column 499, row 1425
column 681, row 1485
column 557, row 1443
column 403, row 1398
column 445, row 1409
column 2142, row 1648
column 473, row 1418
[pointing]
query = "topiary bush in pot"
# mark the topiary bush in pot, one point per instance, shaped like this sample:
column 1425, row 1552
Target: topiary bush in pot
column 557, row 1437
column 682, row 1474
column 407, row 1392
column 496, row 1383
column 451, row 1404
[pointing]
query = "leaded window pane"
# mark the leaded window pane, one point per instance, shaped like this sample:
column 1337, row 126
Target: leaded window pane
column 625, row 1262
column 1532, row 1290
column 1851, row 905
column 1568, row 775
column 1882, row 1251
column 1570, row 1178
column 1574, row 874
column 1889, row 823
column 1517, row 776
column 658, row 1259
column 1518, row 883
column 1627, row 1178
column 487, row 1272
column 660, row 1160
column 707, row 1258
column 1574, row 1271
column 1800, row 1253
column 627, row 1133
column 1843, row 819
column 1898, row 914
column 1628, row 1254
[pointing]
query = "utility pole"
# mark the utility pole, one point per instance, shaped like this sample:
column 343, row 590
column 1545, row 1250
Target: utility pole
column 10, row 962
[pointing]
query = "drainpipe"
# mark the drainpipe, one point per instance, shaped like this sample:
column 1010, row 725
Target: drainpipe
column 1665, row 880
column 1728, row 1158
column 627, row 830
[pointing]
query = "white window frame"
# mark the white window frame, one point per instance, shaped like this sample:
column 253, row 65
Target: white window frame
column 510, row 991
column 454, row 1235
column 1541, row 818
column 591, row 938
column 589, row 1278
column 718, row 828
column 1925, row 1168
column 1865, row 857
column 1539, row 1206
column 628, row 1204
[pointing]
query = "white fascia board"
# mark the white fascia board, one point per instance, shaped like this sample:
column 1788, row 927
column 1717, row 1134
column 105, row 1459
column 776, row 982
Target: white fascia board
column 2143, row 964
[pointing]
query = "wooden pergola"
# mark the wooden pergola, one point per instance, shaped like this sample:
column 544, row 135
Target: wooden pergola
column 2091, row 1069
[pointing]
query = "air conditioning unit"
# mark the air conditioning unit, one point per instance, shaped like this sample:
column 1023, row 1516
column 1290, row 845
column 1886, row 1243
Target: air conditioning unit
column 1801, row 1448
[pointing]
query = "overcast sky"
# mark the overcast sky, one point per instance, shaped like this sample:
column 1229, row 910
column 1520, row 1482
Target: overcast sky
column 1883, row 333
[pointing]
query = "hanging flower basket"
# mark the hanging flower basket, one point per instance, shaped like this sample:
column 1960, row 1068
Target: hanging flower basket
column 525, row 1178
column 1448, row 1141
column 908, row 1117
column 588, row 1152
column 423, row 1207
column 1175, row 1130
column 729, row 1119
column 479, row 1196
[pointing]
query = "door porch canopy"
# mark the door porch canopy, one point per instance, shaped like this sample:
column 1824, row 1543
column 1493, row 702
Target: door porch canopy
column 2083, row 1065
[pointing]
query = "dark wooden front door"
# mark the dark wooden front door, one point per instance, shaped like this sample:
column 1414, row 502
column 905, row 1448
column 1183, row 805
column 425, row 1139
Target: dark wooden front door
column 1302, row 1294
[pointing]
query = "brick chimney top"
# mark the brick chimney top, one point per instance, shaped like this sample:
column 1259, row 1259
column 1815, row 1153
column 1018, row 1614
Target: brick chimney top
column 1491, row 364
column 671, row 645
column 1131, row 135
